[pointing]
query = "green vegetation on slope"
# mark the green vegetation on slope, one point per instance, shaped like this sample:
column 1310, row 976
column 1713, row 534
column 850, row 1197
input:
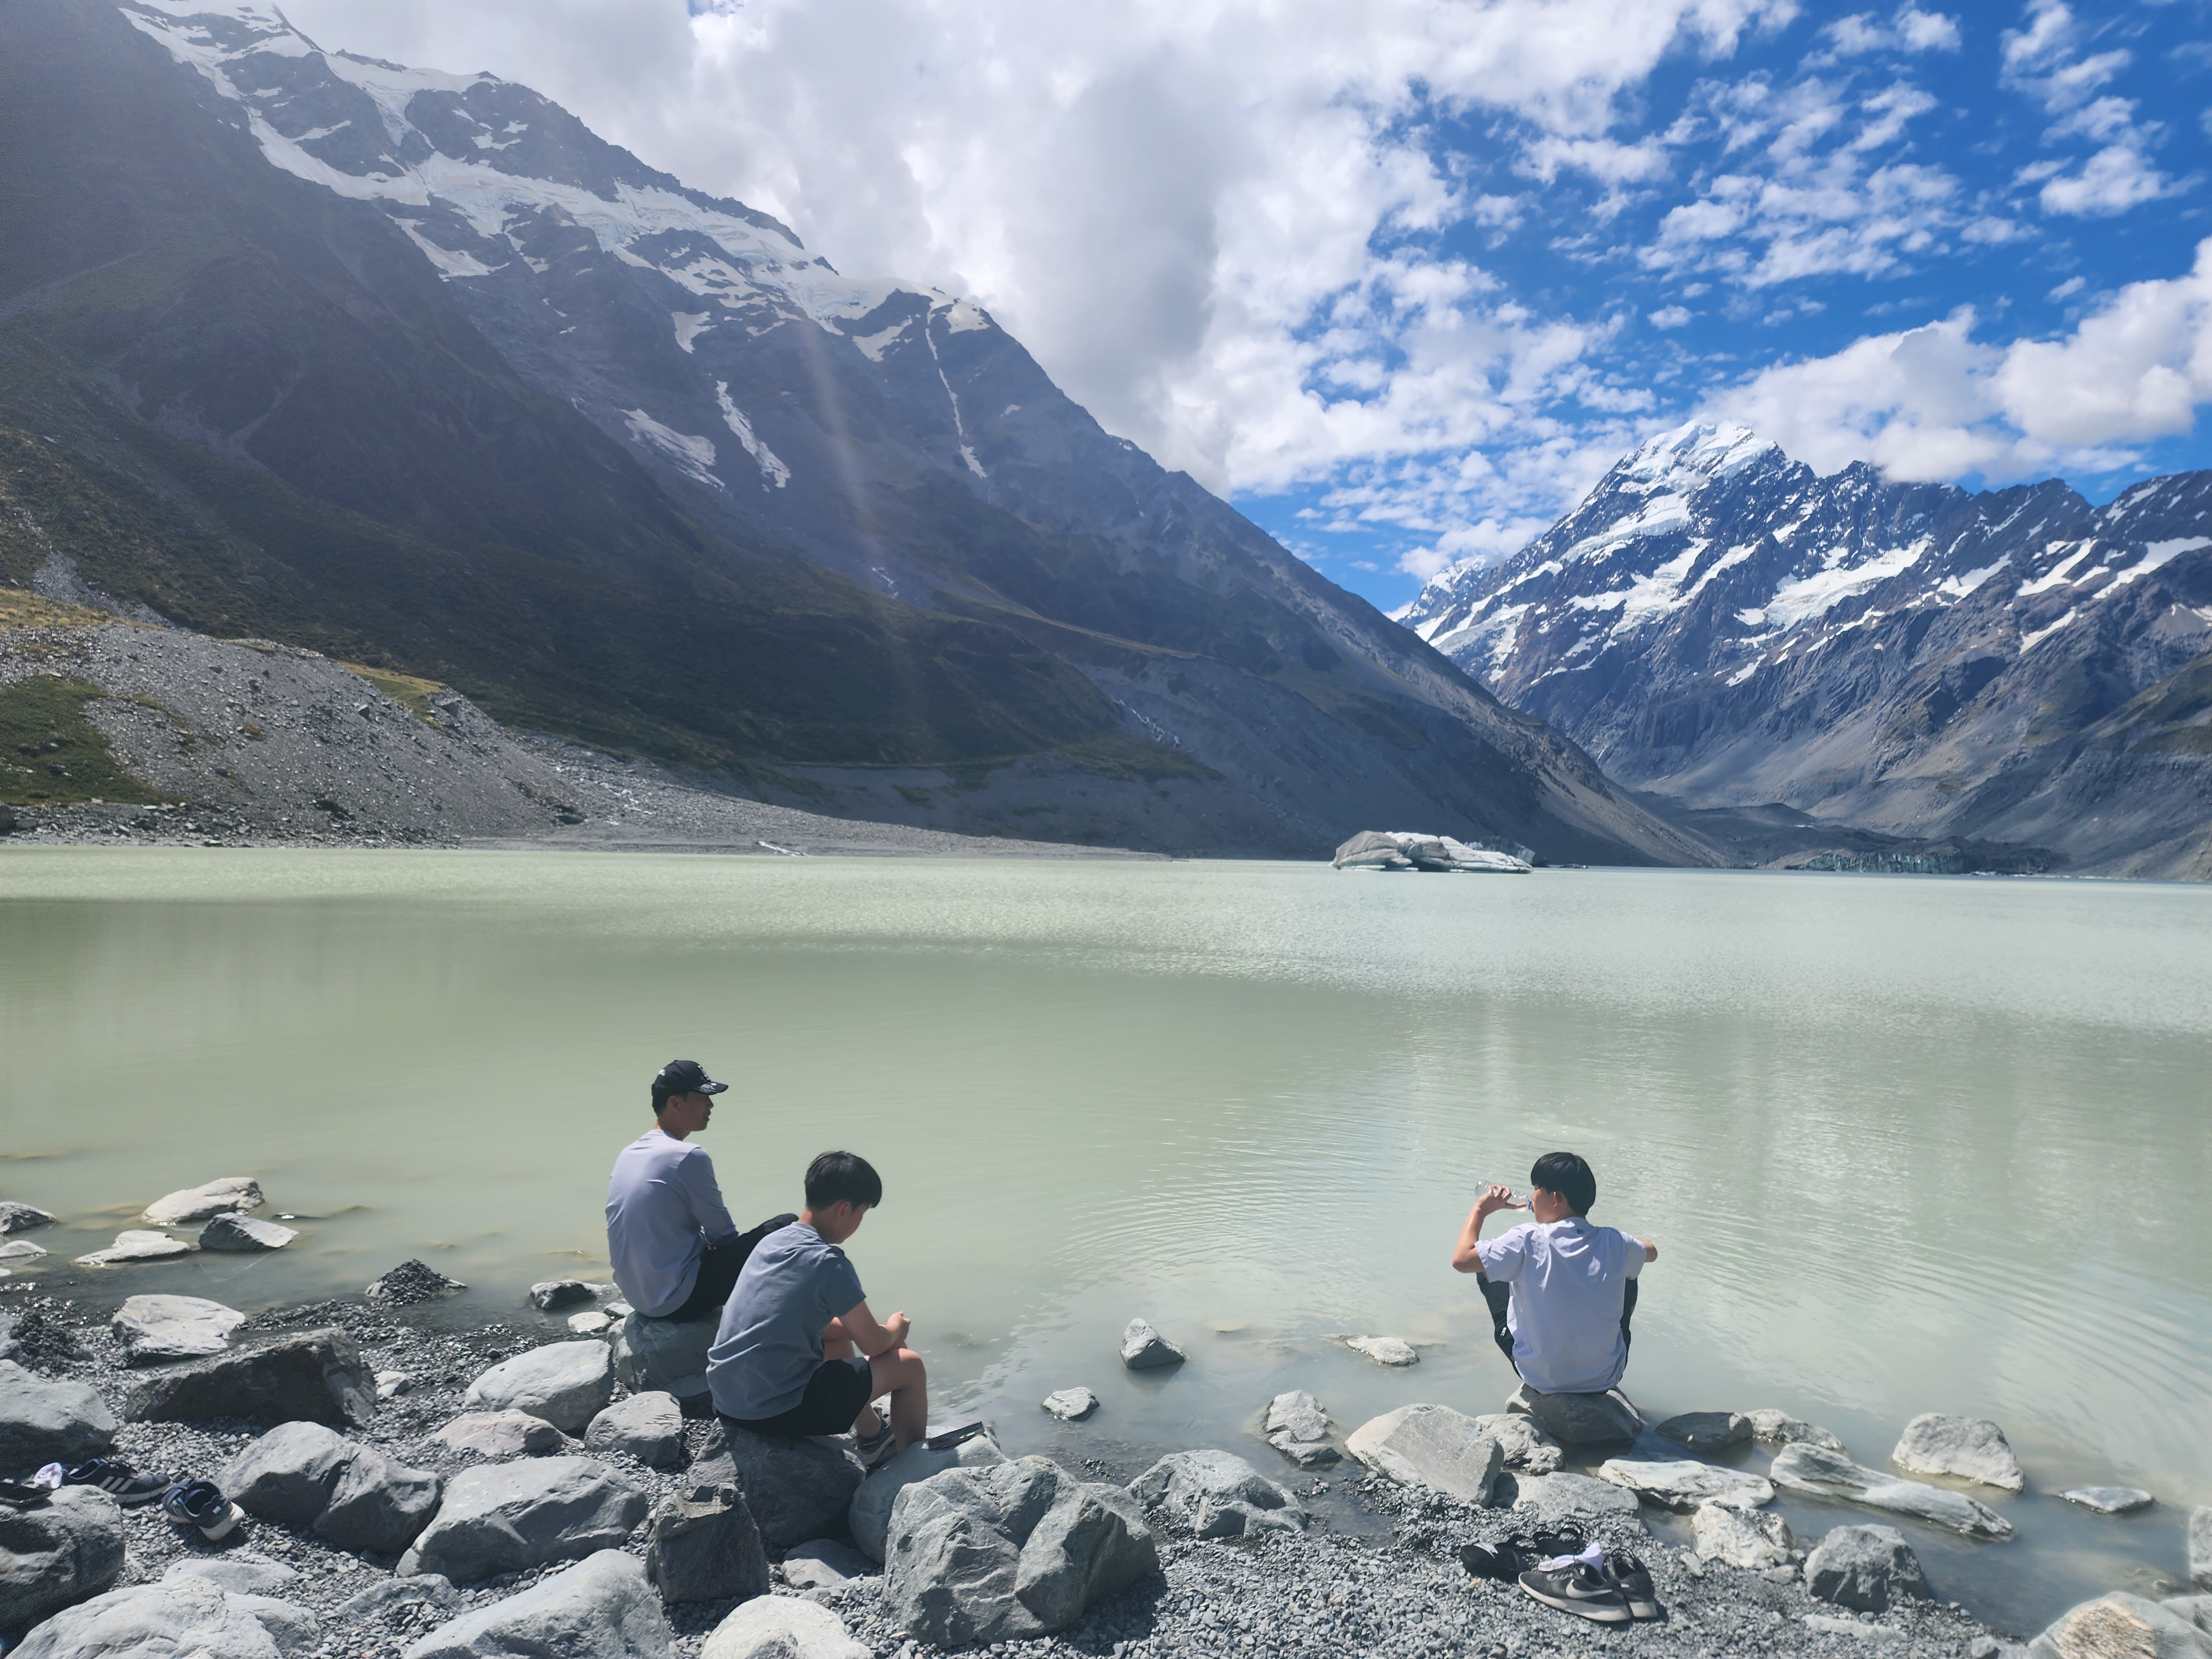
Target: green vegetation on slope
column 50, row 754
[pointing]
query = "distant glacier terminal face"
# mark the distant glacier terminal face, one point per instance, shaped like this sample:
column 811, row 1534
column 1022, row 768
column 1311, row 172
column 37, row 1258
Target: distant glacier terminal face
column 1716, row 622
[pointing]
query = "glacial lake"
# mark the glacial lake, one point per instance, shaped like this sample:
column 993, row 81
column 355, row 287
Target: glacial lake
column 1907, row 1144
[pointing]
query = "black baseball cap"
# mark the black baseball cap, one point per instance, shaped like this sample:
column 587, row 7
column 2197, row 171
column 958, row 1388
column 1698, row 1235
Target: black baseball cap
column 685, row 1077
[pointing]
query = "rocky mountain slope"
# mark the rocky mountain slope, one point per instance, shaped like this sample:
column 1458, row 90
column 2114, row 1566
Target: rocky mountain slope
column 1719, row 625
column 412, row 368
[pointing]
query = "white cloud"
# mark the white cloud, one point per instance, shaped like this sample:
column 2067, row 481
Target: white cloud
column 1935, row 402
column 1670, row 317
column 2114, row 179
column 1910, row 30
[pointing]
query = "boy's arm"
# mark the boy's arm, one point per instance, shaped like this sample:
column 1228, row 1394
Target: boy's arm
column 1467, row 1259
column 870, row 1338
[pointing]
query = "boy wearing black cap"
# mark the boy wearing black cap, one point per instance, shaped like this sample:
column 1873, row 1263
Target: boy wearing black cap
column 676, row 1251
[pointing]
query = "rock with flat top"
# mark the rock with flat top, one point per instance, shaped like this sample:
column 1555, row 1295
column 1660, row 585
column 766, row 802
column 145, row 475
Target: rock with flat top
column 1528, row 1448
column 1071, row 1405
column 1706, row 1432
column 567, row 1383
column 782, row 1627
column 1771, row 1427
column 2109, row 1500
column 16, row 1218
column 1217, row 1494
column 701, row 1545
column 1971, row 1447
column 648, row 1427
column 244, row 1234
column 2120, row 1626
column 824, row 1564
column 1866, row 1569
column 153, row 1329
column 191, row 1618
column 590, row 1323
column 1821, row 1472
column 1144, row 1349
column 1742, row 1538
column 135, row 1245
column 43, row 1421
column 1553, row 1500
column 1432, row 1447
column 241, row 1573
column 503, row 1434
column 1681, row 1484
column 59, row 1552
column 316, row 1377
column 231, row 1195
column 600, row 1608
column 509, row 1517
column 667, row 1354
column 796, row 1489
column 1580, row 1419
column 1298, row 1427
column 870, row 1515
column 1383, row 1350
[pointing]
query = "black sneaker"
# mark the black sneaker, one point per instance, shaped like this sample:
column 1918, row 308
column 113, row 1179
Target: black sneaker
column 1628, row 1575
column 1580, row 1591
column 1505, row 1560
column 201, row 1505
column 877, row 1449
column 118, row 1479
column 22, row 1494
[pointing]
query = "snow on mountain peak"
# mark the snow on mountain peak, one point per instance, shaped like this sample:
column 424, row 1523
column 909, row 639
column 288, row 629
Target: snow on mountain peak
column 1694, row 454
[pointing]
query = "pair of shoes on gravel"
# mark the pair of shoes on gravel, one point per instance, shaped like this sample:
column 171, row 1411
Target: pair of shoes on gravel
column 198, row 1504
column 1616, row 1593
column 1517, row 1552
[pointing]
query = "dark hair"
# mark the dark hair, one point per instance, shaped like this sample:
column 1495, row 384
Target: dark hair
column 838, row 1177
column 1569, row 1176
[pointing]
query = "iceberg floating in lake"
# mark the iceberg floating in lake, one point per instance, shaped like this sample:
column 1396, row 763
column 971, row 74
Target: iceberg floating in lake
column 1406, row 849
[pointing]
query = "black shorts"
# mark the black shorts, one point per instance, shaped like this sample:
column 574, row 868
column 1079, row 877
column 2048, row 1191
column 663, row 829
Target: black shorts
column 835, row 1395
column 719, row 1264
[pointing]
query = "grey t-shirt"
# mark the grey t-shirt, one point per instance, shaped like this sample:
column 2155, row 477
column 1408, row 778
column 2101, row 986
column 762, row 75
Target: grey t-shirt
column 770, row 1340
column 663, row 1210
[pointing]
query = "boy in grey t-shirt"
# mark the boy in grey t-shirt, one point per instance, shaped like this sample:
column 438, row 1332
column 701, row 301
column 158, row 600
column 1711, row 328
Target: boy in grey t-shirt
column 799, row 1353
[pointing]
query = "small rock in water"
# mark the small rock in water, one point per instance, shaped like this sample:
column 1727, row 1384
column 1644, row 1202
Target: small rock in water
column 590, row 1323
column 1144, row 1349
column 16, row 1218
column 134, row 1245
column 1824, row 1473
column 21, row 1250
column 1684, row 1485
column 1777, row 1428
column 1297, row 1427
column 243, row 1233
column 1971, row 1448
column 1742, row 1538
column 1071, row 1405
column 1866, row 1569
column 1706, row 1432
column 1434, row 1447
column 1383, row 1350
column 1528, row 1450
column 1217, row 1494
column 152, row 1328
column 557, row 1293
column 179, row 1209
column 2109, row 1500
column 2200, row 1546
column 409, row 1283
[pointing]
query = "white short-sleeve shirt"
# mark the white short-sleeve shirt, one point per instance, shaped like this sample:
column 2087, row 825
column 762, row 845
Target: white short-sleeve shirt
column 1568, row 1279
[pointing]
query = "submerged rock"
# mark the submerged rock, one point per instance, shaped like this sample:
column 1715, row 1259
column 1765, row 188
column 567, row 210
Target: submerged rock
column 2109, row 1500
column 243, row 1233
column 1383, row 1350
column 2200, row 1546
column 17, row 1218
column 1528, row 1450
column 1071, row 1405
column 1866, row 1569
column 556, row 1293
column 1971, row 1448
column 1777, row 1428
column 1580, row 1419
column 151, row 1328
column 1742, row 1538
column 1680, row 1484
column 1217, row 1494
column 782, row 1627
column 135, row 1246
column 21, row 1250
column 64, row 1551
column 1429, row 1446
column 1144, row 1349
column 1706, row 1432
column 45, row 1421
column 1824, row 1474
column 567, row 1383
column 230, row 1195
column 701, row 1545
column 600, row 1608
column 1297, row 1427
column 317, row 1377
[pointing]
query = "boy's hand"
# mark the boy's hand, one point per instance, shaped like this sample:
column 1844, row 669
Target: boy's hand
column 1493, row 1199
column 896, row 1327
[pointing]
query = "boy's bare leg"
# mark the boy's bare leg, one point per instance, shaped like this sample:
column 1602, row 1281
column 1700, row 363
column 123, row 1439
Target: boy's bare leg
column 900, row 1374
column 836, row 1344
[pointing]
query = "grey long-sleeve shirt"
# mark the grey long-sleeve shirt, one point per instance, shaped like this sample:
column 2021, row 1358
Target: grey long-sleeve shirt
column 663, row 1209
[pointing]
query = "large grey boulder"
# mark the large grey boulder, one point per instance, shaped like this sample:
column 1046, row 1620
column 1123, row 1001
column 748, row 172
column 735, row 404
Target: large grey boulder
column 153, row 1328
column 64, row 1551
column 1217, row 1494
column 701, row 1545
column 1866, row 1569
column 1772, row 1427
column 317, row 1377
column 2200, row 1546
column 189, row 1617
column 1706, row 1432
column 43, row 1421
column 241, row 1574
column 824, row 1564
column 503, row 1434
column 869, row 1517
column 379, row 1504
column 1742, row 1538
column 1551, row 1500
column 1580, row 1419
column 229, row 1195
column 504, row 1517
column 1528, row 1448
column 1009, row 1552
column 2120, row 1626
column 1682, row 1485
column 665, row 1354
column 782, row 1627
column 1144, row 1349
column 796, row 1489
column 1296, row 1426
column 288, row 1474
column 600, row 1608
column 19, row 1217
column 1821, row 1472
column 244, row 1234
column 135, row 1244
column 1971, row 1448
column 1431, row 1446
column 648, row 1427
column 567, row 1383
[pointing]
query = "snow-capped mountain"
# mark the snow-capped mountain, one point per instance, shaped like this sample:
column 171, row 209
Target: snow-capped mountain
column 1718, row 624
column 415, row 368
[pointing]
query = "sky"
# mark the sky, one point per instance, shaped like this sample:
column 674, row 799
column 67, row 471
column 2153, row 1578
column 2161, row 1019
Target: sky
column 1402, row 278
